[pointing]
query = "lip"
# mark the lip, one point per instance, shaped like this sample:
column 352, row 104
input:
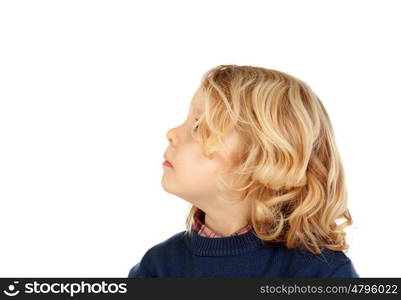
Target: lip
column 167, row 163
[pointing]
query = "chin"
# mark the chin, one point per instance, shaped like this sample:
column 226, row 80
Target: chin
column 167, row 185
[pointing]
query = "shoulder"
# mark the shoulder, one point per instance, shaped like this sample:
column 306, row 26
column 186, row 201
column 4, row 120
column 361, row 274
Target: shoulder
column 327, row 264
column 157, row 254
column 172, row 244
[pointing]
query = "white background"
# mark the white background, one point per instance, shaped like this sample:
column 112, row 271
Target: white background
column 88, row 90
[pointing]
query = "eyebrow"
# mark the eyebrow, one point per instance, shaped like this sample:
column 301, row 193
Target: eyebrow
column 196, row 110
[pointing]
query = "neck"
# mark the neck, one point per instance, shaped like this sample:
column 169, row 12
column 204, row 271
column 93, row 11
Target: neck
column 225, row 225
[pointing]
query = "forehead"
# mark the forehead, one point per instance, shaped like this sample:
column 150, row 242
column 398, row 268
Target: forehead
column 197, row 103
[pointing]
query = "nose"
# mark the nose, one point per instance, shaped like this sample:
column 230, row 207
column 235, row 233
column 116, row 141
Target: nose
column 172, row 136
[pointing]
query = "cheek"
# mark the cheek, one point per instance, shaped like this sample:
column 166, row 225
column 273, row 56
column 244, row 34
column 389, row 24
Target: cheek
column 195, row 171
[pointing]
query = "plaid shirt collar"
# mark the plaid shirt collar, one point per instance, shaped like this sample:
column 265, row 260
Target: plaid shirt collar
column 200, row 227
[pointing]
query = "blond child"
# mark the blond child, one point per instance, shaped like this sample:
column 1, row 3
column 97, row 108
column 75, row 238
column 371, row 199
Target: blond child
column 257, row 160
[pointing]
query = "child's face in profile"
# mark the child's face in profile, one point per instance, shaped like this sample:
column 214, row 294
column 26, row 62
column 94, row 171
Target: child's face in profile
column 193, row 175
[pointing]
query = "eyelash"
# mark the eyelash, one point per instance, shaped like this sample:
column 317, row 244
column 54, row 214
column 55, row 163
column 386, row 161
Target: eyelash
column 196, row 125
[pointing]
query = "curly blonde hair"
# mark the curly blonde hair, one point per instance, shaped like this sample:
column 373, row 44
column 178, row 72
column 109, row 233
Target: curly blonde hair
column 289, row 166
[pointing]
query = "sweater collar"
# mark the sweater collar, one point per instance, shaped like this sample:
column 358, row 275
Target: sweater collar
column 222, row 246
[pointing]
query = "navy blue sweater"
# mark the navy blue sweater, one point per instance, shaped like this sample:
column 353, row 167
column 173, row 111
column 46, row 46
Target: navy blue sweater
column 187, row 254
